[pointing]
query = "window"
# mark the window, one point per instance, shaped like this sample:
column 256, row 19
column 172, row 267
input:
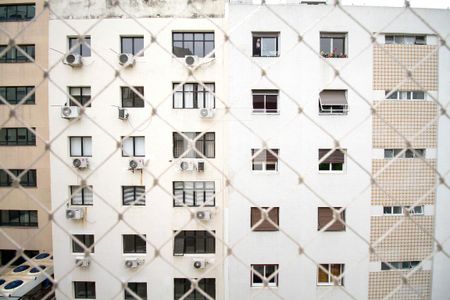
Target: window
column 138, row 288
column 183, row 285
column 80, row 146
column 325, row 275
column 85, row 239
column 133, row 195
column 333, row 102
column 17, row 12
column 7, row 255
column 15, row 94
column 19, row 218
column 265, row 44
column 265, row 101
column 405, row 39
column 13, row 55
column 81, row 94
column 132, row 99
column 408, row 153
column 192, row 43
column 77, row 46
column 205, row 144
column 134, row 243
column 265, row 160
column 405, row 95
column 81, row 195
column 194, row 193
column 333, row 45
column 194, row 95
column 256, row 216
column 194, row 242
column 330, row 160
column 28, row 179
column 400, row 210
column 132, row 45
column 325, row 218
column 267, row 272
column 84, row 289
column 133, row 146
column 21, row 136
column 399, row 265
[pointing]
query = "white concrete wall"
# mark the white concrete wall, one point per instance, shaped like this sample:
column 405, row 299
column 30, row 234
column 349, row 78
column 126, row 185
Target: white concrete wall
column 156, row 71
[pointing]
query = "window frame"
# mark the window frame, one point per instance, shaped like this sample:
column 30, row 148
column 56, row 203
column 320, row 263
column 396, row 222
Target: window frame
column 134, row 51
column 87, row 287
column 84, row 97
column 86, row 239
column 84, row 140
column 264, row 163
column 194, row 236
column 265, row 94
column 81, row 48
column 265, row 225
column 30, row 137
column 393, row 153
column 132, row 96
column 332, row 36
column 393, row 210
column 135, row 239
column 83, row 191
column 13, row 53
column 196, row 94
column 194, row 190
column 270, row 284
column 134, row 138
column 329, row 273
column 405, row 95
column 332, row 165
column 258, row 51
column 17, row 215
column 336, row 223
column 136, row 201
column 27, row 180
column 393, row 41
column 185, row 40
column 206, row 139
column 399, row 265
column 29, row 90
column 134, row 286
column 29, row 14
column 202, row 284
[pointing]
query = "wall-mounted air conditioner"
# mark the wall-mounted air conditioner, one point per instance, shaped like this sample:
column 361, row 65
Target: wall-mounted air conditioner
column 136, row 164
column 206, row 113
column 187, row 165
column 70, row 112
column 74, row 213
column 82, row 262
column 73, row 60
column 199, row 263
column 126, row 59
column 80, row 163
column 133, row 263
column 123, row 114
column 191, row 61
column 203, row 215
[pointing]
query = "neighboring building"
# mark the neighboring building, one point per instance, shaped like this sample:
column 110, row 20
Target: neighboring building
column 137, row 182
column 24, row 208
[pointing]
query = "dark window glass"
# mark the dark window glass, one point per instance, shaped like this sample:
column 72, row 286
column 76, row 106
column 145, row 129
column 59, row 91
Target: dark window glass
column 190, row 43
column 194, row 193
column 260, row 272
column 132, row 99
column 15, row 94
column 85, row 239
column 139, row 288
column 17, row 12
column 13, row 55
column 132, row 45
column 194, row 95
column 265, row 101
column 28, row 179
column 194, row 241
column 183, row 285
column 19, row 218
column 133, row 195
column 205, row 144
column 17, row 137
column 82, row 48
column 81, row 94
column 84, row 289
column 133, row 243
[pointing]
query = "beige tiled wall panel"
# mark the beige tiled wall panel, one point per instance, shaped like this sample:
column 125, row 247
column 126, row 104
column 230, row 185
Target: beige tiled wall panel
column 383, row 283
column 411, row 240
column 403, row 181
column 414, row 120
column 388, row 72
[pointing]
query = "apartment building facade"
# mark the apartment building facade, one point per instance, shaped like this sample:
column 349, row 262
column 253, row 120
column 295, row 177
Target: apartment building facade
column 25, row 203
column 126, row 181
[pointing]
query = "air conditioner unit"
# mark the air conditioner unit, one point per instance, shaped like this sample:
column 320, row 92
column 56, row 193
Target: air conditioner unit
column 191, row 60
column 136, row 164
column 74, row 213
column 187, row 165
column 200, row 166
column 199, row 263
column 70, row 112
column 73, row 60
column 126, row 59
column 123, row 114
column 206, row 113
column 203, row 215
column 133, row 263
column 82, row 262
column 80, row 163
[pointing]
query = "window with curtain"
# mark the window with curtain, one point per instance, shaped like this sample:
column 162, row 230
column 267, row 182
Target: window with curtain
column 81, row 195
column 133, row 195
column 133, row 146
column 265, row 160
column 80, row 146
column 193, row 193
column 205, row 144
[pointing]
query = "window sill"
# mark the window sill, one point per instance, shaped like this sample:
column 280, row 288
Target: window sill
column 268, row 56
column 256, row 113
column 330, row 284
column 331, row 172
column 333, row 114
column 264, row 172
column 193, row 255
column 134, row 254
column 262, row 286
